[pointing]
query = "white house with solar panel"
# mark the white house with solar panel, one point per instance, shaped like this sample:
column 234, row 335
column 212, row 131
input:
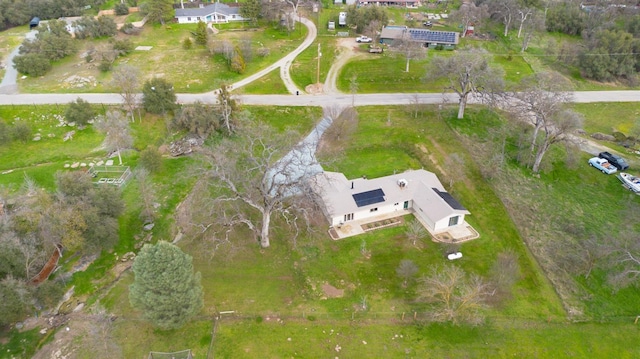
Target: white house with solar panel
column 429, row 38
column 216, row 13
column 365, row 200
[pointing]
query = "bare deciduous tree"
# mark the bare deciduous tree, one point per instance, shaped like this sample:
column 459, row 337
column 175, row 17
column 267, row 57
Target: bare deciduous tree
column 344, row 124
column 534, row 26
column 406, row 271
column 411, row 50
column 468, row 72
column 538, row 99
column 147, row 195
column 455, row 165
column 580, row 256
column 523, row 15
column 455, row 297
column 116, row 129
column 505, row 10
column 415, row 232
column 505, row 272
column 468, row 14
column 228, row 109
column 560, row 129
column 99, row 341
column 126, row 79
column 624, row 260
column 262, row 171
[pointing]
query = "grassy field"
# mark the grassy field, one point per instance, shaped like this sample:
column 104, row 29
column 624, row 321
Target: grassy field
column 268, row 84
column 281, row 310
column 304, row 70
column 193, row 70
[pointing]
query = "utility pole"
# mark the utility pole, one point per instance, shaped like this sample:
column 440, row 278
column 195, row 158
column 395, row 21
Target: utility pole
column 318, row 70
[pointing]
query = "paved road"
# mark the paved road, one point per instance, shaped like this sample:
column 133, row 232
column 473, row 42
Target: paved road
column 9, row 81
column 305, row 100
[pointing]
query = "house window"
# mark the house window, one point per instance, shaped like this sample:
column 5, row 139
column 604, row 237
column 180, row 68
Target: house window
column 374, row 209
column 348, row 217
column 198, row 18
column 453, row 221
column 189, row 19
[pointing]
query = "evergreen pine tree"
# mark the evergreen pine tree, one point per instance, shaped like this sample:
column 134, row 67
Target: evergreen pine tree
column 165, row 288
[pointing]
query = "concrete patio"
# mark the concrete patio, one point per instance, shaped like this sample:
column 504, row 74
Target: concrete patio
column 458, row 234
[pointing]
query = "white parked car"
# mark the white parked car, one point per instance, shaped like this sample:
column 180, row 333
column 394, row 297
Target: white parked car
column 363, row 39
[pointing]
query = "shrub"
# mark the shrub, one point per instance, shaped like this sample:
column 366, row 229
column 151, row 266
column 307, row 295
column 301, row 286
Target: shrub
column 151, row 159
column 263, row 52
column 187, row 43
column 122, row 47
column 21, row 132
column 32, row 64
column 121, row 9
column 80, row 112
column 105, row 66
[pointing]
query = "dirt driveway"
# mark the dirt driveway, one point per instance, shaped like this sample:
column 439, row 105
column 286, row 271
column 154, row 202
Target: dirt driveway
column 348, row 49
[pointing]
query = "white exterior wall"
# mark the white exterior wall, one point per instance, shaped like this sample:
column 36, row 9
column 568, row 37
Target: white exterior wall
column 444, row 223
column 364, row 214
column 190, row 19
column 215, row 18
column 420, row 213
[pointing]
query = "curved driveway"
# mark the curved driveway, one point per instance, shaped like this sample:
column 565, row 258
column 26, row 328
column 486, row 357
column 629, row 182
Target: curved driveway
column 284, row 63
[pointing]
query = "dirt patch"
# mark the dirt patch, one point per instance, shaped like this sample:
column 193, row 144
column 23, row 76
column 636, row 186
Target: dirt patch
column 432, row 158
column 331, row 291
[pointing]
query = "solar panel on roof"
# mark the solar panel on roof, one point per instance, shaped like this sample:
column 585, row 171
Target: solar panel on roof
column 452, row 202
column 433, row 36
column 370, row 197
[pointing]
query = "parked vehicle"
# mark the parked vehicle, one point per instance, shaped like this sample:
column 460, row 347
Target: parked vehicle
column 363, row 39
column 342, row 19
column 630, row 181
column 427, row 24
column 375, row 49
column 615, row 160
column 603, row 165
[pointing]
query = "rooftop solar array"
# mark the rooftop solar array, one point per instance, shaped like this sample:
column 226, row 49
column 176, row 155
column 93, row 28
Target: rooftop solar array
column 370, row 197
column 452, row 202
column 441, row 37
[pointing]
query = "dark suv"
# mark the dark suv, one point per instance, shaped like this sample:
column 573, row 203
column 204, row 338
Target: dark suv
column 615, row 160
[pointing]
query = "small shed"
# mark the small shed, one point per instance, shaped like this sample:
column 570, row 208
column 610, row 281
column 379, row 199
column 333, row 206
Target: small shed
column 34, row 22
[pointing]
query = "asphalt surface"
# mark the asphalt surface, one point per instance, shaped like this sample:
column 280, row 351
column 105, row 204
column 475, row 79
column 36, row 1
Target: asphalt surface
column 305, row 100
column 9, row 81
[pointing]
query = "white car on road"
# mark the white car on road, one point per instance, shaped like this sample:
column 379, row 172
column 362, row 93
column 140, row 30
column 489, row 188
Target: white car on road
column 363, row 39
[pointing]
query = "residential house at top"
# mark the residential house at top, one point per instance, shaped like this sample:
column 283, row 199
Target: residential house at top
column 428, row 38
column 216, row 13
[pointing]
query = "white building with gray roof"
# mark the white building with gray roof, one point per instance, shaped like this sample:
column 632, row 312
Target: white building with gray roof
column 215, row 13
column 362, row 199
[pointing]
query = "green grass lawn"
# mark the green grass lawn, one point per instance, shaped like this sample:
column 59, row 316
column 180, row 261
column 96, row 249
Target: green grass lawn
column 268, row 84
column 609, row 117
column 304, row 69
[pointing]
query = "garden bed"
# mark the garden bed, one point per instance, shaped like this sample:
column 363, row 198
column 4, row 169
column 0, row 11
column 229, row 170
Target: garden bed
column 390, row 222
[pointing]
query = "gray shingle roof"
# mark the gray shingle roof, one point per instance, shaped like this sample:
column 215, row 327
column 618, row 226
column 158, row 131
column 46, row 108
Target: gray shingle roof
column 208, row 10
